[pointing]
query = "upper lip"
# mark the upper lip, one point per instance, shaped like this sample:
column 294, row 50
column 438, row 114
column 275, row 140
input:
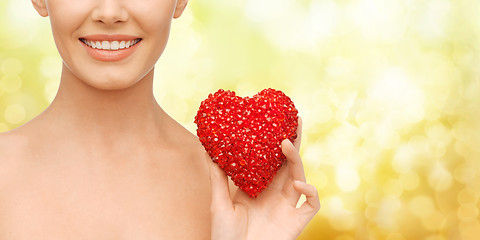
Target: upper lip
column 109, row 37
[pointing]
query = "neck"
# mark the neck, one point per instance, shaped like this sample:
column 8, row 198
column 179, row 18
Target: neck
column 106, row 115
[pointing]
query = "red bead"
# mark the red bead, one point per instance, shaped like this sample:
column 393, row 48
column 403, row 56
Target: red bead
column 243, row 135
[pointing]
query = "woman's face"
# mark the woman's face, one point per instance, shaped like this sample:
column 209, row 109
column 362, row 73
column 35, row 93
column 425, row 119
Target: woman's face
column 110, row 44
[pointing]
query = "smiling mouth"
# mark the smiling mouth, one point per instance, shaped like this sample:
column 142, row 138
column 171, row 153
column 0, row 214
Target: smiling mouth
column 110, row 45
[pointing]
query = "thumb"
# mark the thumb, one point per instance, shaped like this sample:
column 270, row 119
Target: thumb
column 221, row 199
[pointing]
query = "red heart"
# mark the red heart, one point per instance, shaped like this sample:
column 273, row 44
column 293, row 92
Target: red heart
column 243, row 135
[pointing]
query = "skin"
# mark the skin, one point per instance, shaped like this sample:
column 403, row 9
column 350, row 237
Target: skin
column 104, row 161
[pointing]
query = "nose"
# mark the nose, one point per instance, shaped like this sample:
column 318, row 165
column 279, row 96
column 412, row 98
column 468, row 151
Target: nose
column 109, row 12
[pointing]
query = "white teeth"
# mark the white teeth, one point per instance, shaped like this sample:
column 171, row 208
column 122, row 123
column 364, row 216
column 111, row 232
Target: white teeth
column 106, row 45
column 114, row 45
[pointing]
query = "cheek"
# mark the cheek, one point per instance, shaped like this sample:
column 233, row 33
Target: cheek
column 155, row 21
column 154, row 17
column 65, row 18
column 68, row 15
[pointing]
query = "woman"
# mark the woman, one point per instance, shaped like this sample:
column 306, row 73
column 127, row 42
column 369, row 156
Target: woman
column 104, row 161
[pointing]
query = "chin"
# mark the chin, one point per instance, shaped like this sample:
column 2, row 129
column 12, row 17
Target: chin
column 119, row 80
column 116, row 84
column 109, row 77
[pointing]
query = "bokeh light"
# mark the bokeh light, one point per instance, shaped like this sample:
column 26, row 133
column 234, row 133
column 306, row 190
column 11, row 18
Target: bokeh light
column 389, row 91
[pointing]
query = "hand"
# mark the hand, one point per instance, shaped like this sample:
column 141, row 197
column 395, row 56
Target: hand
column 273, row 214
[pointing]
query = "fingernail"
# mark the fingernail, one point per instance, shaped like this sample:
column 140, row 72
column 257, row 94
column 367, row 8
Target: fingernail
column 289, row 142
column 298, row 182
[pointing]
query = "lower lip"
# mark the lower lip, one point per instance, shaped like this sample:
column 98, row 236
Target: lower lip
column 110, row 55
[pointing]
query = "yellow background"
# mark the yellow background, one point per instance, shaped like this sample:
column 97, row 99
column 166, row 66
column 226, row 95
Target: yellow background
column 389, row 91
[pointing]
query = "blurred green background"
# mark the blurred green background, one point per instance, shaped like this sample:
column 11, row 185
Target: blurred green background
column 389, row 91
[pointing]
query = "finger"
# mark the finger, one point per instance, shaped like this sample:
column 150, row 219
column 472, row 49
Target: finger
column 221, row 199
column 294, row 161
column 310, row 207
column 298, row 140
column 295, row 172
column 280, row 178
column 232, row 187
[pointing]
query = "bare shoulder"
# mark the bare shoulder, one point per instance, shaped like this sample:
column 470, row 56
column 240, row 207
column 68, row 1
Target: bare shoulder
column 186, row 141
column 192, row 146
column 197, row 152
column 13, row 146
